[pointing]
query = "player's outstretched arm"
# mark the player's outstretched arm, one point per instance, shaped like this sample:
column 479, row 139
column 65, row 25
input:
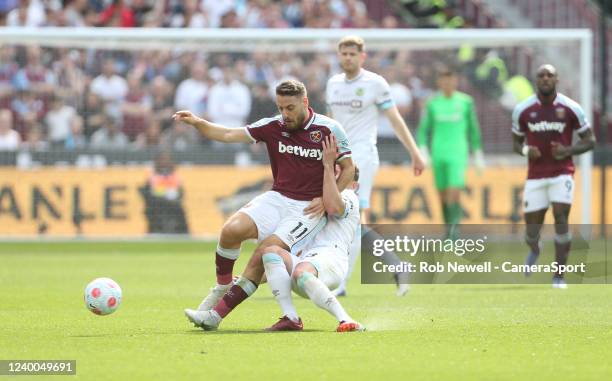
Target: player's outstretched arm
column 213, row 131
column 404, row 136
column 332, row 200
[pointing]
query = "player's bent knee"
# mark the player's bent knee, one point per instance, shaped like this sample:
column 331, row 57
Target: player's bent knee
column 238, row 229
column 301, row 277
column 271, row 259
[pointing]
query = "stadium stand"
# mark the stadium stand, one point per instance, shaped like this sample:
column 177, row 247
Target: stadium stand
column 136, row 92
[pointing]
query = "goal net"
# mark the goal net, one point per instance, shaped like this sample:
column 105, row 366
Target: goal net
column 100, row 156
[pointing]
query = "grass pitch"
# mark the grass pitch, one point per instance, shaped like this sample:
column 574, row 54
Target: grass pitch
column 441, row 332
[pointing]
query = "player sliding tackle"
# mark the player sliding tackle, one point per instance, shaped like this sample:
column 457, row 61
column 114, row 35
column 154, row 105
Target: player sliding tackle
column 317, row 268
column 543, row 126
column 292, row 212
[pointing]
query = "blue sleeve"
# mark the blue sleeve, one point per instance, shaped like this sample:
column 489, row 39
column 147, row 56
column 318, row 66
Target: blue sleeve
column 344, row 148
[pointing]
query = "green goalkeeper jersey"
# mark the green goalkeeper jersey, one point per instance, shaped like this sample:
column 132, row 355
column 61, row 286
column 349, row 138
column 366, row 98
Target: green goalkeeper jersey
column 452, row 123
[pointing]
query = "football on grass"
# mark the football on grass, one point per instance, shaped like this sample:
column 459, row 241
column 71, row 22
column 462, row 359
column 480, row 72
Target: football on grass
column 102, row 296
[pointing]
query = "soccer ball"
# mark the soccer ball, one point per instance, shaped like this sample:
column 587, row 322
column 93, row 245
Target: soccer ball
column 102, row 296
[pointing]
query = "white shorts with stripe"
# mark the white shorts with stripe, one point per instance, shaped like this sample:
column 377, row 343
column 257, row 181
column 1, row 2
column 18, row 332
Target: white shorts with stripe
column 275, row 214
column 540, row 193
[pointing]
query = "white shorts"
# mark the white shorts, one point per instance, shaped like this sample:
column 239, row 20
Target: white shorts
column 276, row 214
column 540, row 193
column 331, row 264
column 366, row 159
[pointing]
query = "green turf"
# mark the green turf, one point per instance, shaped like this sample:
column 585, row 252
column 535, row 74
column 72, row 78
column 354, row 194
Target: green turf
column 441, row 332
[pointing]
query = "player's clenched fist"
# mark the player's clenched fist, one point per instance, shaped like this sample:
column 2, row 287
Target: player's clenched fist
column 185, row 116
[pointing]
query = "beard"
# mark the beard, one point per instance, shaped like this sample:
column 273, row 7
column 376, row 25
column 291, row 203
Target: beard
column 299, row 121
column 547, row 92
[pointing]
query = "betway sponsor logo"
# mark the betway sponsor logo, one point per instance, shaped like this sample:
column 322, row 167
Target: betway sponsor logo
column 300, row 151
column 546, row 126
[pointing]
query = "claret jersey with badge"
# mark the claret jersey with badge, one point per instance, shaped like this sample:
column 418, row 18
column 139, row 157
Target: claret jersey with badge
column 296, row 156
column 542, row 124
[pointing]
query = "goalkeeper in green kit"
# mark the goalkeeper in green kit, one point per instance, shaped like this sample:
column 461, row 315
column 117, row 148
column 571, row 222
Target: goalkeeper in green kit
column 450, row 118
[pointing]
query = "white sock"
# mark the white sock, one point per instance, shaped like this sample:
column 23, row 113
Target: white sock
column 280, row 284
column 318, row 292
column 355, row 251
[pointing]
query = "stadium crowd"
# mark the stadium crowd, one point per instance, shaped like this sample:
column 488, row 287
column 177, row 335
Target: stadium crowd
column 187, row 13
column 83, row 98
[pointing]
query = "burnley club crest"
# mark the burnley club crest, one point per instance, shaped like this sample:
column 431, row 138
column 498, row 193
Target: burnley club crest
column 316, row 136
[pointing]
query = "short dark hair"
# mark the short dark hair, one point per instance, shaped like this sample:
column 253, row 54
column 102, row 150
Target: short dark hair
column 446, row 71
column 292, row 88
column 356, row 176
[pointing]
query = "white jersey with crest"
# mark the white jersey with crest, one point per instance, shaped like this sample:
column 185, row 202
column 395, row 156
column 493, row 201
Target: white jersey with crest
column 340, row 230
column 357, row 103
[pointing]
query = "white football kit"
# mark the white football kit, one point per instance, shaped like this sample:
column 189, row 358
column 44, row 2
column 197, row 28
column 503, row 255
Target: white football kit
column 357, row 104
column 328, row 251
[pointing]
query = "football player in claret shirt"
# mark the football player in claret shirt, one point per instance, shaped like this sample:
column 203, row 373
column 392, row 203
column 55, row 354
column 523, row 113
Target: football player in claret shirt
column 292, row 212
column 543, row 126
column 318, row 267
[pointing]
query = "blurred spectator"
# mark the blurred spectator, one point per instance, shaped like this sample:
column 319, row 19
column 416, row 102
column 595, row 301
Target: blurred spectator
column 9, row 138
column 110, row 87
column 516, row 89
column 262, row 105
column 136, row 108
column 163, row 196
column 117, row 14
column 8, row 5
column 258, row 68
column 28, row 111
column 161, row 102
column 58, row 121
column 35, row 139
column 272, row 16
column 147, row 12
column 29, row 13
column 76, row 138
column 189, row 16
column 93, row 114
column 74, row 13
column 253, row 15
column 109, row 136
column 353, row 14
column 316, row 95
column 229, row 113
column 216, row 9
column 8, row 69
column 491, row 74
column 180, row 137
column 150, row 138
column 35, row 76
column 230, row 20
column 71, row 80
column 389, row 22
column 292, row 12
column 191, row 93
